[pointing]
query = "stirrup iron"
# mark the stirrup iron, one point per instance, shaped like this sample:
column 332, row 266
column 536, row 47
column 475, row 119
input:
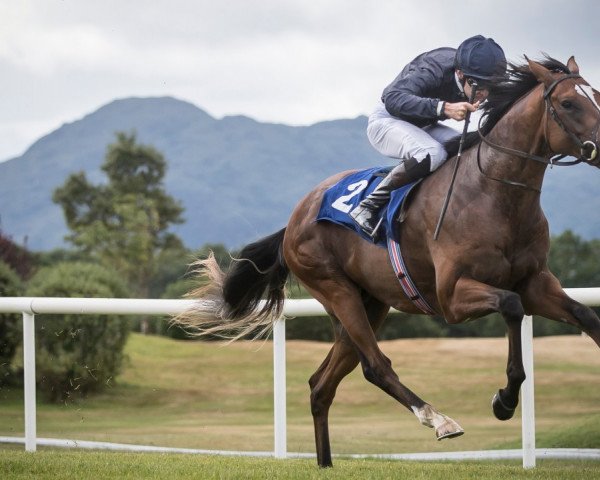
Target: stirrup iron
column 375, row 233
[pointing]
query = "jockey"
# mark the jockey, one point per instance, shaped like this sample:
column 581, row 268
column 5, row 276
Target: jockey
column 434, row 86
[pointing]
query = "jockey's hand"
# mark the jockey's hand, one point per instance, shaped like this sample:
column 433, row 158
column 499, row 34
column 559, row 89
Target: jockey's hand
column 458, row 111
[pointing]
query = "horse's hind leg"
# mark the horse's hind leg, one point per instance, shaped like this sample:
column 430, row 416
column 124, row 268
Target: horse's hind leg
column 340, row 361
column 343, row 300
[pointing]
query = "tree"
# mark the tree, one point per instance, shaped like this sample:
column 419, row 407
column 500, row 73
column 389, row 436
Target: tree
column 17, row 257
column 575, row 261
column 10, row 323
column 124, row 223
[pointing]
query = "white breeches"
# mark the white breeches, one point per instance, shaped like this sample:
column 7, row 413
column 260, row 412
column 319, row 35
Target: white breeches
column 400, row 139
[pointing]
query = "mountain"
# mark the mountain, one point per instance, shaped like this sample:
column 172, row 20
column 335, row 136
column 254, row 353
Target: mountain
column 238, row 179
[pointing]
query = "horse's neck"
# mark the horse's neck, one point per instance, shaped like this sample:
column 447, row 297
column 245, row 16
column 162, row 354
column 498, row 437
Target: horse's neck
column 522, row 129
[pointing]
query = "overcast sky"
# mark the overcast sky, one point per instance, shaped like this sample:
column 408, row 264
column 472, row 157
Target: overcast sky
column 285, row 61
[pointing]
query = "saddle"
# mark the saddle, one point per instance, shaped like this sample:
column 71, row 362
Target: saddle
column 341, row 198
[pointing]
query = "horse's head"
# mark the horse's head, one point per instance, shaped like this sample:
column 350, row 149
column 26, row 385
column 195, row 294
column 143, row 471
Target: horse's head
column 573, row 112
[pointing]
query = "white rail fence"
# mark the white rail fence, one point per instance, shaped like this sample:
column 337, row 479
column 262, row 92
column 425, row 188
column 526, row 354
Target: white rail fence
column 31, row 306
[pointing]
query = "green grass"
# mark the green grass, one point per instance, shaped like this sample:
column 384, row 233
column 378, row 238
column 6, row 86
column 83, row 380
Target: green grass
column 98, row 466
column 210, row 396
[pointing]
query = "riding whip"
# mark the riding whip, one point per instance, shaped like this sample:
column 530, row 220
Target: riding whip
column 460, row 147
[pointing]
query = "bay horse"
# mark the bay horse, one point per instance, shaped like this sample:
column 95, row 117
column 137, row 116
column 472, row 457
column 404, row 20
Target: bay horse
column 491, row 255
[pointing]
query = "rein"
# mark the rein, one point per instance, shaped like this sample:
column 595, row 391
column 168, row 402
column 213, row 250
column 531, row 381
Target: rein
column 586, row 148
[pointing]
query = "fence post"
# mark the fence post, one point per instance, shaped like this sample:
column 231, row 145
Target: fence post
column 527, row 394
column 279, row 389
column 29, row 381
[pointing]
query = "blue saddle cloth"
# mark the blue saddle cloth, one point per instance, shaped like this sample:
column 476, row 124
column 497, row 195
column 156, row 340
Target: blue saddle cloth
column 342, row 197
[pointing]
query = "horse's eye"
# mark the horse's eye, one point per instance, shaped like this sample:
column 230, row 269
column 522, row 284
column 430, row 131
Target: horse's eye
column 566, row 104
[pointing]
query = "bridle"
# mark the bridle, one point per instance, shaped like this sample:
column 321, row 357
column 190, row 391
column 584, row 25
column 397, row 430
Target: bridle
column 585, row 146
column 588, row 148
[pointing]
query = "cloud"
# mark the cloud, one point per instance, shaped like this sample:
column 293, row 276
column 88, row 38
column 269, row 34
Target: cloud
column 287, row 61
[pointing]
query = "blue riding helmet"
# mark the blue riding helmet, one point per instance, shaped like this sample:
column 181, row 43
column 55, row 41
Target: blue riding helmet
column 480, row 58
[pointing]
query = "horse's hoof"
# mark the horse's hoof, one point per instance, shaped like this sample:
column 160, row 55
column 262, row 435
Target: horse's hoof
column 501, row 411
column 444, row 426
column 448, row 429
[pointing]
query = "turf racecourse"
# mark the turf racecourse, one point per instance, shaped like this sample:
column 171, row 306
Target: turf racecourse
column 99, row 465
column 209, row 396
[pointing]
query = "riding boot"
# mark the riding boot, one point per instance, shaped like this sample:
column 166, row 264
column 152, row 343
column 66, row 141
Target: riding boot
column 365, row 214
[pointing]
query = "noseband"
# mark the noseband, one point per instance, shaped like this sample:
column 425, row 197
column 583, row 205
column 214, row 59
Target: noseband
column 588, row 148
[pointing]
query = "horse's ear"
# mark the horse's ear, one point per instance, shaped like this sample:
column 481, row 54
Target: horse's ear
column 572, row 66
column 541, row 73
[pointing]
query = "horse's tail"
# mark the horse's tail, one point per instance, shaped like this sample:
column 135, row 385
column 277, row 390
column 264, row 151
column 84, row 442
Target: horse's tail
column 229, row 305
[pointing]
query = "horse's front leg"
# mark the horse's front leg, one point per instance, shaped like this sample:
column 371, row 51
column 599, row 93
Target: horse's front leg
column 473, row 299
column 544, row 296
column 506, row 400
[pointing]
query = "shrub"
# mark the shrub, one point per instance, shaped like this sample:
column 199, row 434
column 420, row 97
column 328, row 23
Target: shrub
column 78, row 354
column 309, row 328
column 10, row 324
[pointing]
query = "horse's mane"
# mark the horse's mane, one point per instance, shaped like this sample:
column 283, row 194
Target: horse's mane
column 504, row 92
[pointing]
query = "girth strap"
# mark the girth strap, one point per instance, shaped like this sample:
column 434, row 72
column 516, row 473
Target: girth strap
column 406, row 282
